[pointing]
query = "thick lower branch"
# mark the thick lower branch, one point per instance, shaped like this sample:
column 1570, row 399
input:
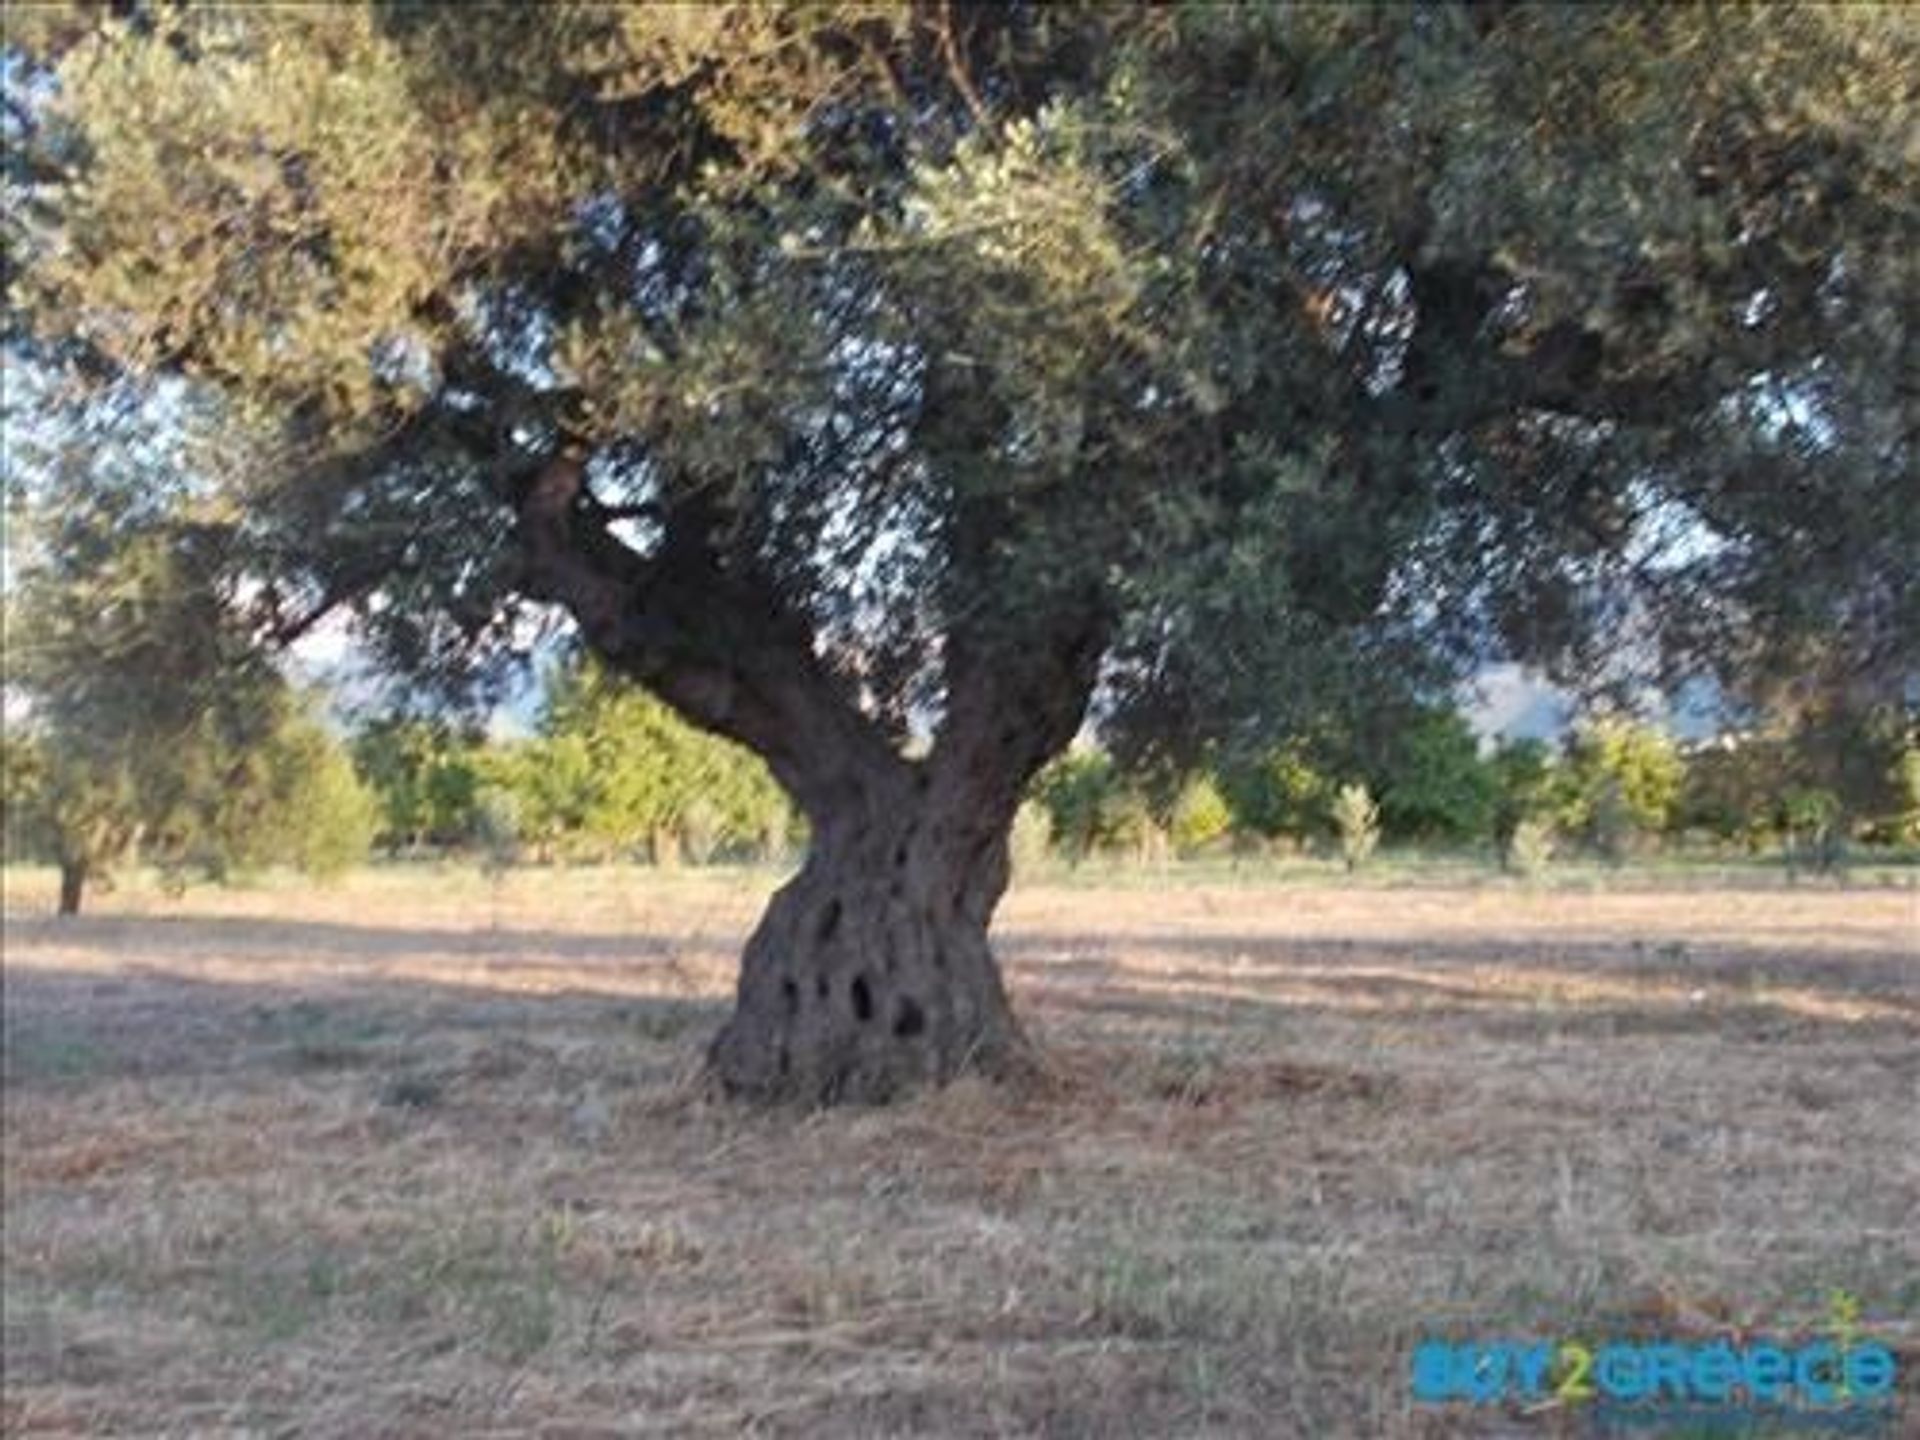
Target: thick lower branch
column 714, row 645
column 1015, row 698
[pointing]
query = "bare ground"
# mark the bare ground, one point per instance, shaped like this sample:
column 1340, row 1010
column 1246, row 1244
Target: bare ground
column 426, row 1156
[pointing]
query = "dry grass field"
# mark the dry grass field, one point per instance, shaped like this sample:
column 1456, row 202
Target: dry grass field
column 426, row 1155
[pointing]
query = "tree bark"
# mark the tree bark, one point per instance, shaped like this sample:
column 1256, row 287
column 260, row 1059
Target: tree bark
column 870, row 975
column 73, row 882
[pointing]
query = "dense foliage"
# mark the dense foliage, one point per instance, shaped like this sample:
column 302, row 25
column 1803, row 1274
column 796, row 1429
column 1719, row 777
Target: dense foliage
column 885, row 388
column 1534, row 321
column 150, row 720
column 613, row 772
column 1610, row 788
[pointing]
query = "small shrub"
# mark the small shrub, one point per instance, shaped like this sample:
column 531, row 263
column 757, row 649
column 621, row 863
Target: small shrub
column 1815, row 838
column 1529, row 848
column 497, row 828
column 1612, row 823
column 1032, row 840
column 1200, row 816
column 1357, row 819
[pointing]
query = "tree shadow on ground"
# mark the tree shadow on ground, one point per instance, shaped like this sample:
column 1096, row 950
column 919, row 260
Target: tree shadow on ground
column 68, row 1028
column 312, row 993
column 162, row 935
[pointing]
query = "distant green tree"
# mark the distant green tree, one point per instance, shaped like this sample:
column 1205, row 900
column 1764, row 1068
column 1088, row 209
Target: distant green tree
column 150, row 707
column 1094, row 806
column 1199, row 816
column 79, row 809
column 1078, row 791
column 550, row 787
column 1618, row 784
column 201, row 805
column 1863, row 761
column 1523, row 780
column 1857, row 755
column 1906, row 788
column 614, row 769
column 296, row 800
column 1433, row 785
column 1280, row 792
column 425, row 774
column 1733, row 788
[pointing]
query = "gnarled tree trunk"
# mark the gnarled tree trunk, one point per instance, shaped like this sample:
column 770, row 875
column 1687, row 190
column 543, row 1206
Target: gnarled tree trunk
column 73, row 884
column 870, row 974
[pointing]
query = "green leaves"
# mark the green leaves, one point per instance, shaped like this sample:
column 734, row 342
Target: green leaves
column 269, row 199
column 613, row 769
column 1312, row 345
column 1619, row 776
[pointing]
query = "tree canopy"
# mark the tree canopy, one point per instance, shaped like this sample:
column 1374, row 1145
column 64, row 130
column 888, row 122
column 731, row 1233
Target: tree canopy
column 884, row 385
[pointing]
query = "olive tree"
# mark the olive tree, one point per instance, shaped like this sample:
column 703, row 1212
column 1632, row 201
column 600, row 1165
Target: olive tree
column 885, row 388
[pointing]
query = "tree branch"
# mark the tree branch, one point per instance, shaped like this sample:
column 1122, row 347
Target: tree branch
column 714, row 645
column 1457, row 379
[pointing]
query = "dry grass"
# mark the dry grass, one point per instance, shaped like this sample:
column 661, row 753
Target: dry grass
column 422, row 1156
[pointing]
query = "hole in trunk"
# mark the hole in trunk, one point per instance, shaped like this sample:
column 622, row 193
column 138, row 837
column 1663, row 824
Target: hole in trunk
column 908, row 1018
column 862, row 999
column 820, row 987
column 790, row 992
column 829, row 923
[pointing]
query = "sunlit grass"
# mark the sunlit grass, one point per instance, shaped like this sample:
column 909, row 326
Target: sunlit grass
column 426, row 1154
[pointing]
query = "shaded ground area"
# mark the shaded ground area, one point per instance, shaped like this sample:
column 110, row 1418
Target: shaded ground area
column 426, row 1156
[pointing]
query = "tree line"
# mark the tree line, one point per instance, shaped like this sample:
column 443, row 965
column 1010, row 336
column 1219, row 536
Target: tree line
column 1614, row 788
column 608, row 773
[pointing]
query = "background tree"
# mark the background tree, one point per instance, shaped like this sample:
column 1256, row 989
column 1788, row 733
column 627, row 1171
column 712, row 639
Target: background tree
column 293, row 799
column 1618, row 781
column 1080, row 791
column 636, row 774
column 78, row 810
column 1906, row 790
column 550, row 788
column 872, row 383
column 1280, row 792
column 425, row 775
column 1432, row 783
column 146, row 705
column 1523, row 789
column 1093, row 806
column 1855, row 755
